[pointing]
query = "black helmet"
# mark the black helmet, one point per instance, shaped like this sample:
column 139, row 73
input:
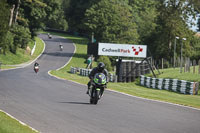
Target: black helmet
column 101, row 66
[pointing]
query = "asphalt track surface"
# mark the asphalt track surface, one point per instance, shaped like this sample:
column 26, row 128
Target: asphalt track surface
column 51, row 105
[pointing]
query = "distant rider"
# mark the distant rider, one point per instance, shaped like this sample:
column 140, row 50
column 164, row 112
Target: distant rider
column 99, row 69
column 36, row 64
column 61, row 47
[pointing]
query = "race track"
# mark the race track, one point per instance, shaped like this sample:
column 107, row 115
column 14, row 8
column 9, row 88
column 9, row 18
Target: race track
column 51, row 105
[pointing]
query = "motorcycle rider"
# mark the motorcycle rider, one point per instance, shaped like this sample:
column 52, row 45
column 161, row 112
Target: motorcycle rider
column 99, row 69
column 61, row 47
column 36, row 64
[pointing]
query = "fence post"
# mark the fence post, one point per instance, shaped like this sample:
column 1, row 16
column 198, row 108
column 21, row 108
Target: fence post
column 194, row 63
column 199, row 66
column 162, row 63
column 188, row 64
column 185, row 68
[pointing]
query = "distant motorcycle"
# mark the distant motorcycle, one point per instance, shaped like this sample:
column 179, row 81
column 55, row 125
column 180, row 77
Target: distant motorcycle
column 50, row 36
column 36, row 69
column 61, row 47
column 97, row 87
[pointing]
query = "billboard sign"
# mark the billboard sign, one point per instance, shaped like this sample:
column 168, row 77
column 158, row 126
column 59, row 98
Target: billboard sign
column 109, row 49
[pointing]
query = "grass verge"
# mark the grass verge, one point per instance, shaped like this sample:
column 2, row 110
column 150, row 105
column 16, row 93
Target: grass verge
column 9, row 125
column 175, row 74
column 133, row 88
column 11, row 60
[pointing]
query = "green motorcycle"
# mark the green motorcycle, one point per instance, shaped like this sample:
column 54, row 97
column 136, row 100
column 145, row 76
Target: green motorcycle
column 97, row 87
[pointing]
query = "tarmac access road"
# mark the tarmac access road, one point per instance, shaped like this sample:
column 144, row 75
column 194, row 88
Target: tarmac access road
column 51, row 105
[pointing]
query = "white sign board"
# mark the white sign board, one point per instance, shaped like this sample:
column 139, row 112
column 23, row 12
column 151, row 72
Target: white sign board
column 122, row 50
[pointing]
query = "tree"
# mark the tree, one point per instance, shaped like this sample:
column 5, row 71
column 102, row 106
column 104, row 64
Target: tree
column 198, row 24
column 75, row 13
column 4, row 23
column 145, row 15
column 55, row 15
column 34, row 13
column 111, row 21
column 195, row 42
column 21, row 37
column 172, row 21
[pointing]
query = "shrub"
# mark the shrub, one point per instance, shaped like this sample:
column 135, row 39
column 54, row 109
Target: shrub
column 106, row 61
column 9, row 41
column 22, row 36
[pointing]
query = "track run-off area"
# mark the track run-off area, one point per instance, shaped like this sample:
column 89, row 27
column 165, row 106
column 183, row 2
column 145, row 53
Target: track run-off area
column 51, row 105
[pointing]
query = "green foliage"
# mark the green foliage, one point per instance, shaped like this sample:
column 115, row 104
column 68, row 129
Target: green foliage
column 75, row 12
column 195, row 48
column 153, row 23
column 172, row 21
column 21, row 56
column 106, row 61
column 34, row 12
column 9, row 42
column 21, row 37
column 55, row 16
column 145, row 14
column 4, row 20
column 111, row 22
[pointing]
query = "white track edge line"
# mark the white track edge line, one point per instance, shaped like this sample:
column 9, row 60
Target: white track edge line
column 155, row 100
column 24, row 124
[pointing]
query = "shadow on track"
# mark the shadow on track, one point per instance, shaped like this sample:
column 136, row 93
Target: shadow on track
column 76, row 103
column 58, row 54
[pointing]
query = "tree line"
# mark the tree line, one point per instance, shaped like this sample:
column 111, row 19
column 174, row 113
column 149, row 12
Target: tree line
column 21, row 19
column 154, row 23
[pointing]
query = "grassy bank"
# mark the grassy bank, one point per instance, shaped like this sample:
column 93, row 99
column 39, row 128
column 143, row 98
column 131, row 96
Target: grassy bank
column 130, row 88
column 10, row 60
column 175, row 74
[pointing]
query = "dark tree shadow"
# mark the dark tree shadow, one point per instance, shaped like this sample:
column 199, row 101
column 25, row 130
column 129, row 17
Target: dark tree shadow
column 65, row 40
column 56, row 40
column 76, row 103
column 79, row 41
column 59, row 54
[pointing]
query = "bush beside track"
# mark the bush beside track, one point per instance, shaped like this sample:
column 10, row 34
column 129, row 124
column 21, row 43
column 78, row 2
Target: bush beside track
column 21, row 58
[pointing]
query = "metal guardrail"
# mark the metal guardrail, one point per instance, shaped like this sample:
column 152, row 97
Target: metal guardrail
column 180, row 86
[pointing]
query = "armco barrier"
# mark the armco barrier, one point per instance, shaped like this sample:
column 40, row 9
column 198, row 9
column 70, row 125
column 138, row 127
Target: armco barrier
column 86, row 72
column 175, row 85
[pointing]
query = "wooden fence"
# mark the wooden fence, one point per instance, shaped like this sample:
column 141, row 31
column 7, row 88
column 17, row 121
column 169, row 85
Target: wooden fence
column 188, row 65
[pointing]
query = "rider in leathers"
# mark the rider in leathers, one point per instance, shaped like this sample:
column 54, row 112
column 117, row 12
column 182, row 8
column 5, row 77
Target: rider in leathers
column 99, row 69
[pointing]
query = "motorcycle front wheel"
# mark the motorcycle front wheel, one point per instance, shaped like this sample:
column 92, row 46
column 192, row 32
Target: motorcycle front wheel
column 94, row 96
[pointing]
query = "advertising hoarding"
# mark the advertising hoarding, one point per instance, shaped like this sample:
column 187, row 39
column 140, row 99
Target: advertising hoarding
column 126, row 50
